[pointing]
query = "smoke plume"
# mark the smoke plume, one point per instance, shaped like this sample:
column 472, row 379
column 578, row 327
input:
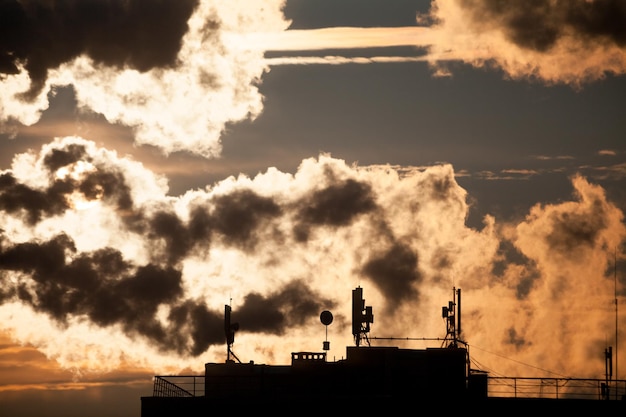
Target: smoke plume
column 168, row 69
column 553, row 41
column 92, row 245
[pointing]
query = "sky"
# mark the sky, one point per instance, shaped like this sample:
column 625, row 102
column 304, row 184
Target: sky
column 163, row 159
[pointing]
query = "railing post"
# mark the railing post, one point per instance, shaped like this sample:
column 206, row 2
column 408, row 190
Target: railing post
column 557, row 389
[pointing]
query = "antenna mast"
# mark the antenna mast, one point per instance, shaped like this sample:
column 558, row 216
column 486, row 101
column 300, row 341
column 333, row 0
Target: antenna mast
column 452, row 314
column 229, row 332
column 616, row 315
column 362, row 316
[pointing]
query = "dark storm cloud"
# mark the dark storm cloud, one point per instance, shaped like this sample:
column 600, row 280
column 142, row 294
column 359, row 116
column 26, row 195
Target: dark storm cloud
column 289, row 306
column 42, row 35
column 395, row 273
column 336, row 205
column 306, row 14
column 539, row 24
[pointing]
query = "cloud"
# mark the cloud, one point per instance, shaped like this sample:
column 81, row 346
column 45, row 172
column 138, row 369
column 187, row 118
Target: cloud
column 173, row 74
column 569, row 42
column 131, row 274
column 562, row 41
column 39, row 37
column 570, row 245
column 177, row 76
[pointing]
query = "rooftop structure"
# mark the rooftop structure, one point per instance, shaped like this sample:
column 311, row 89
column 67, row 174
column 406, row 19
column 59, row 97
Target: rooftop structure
column 386, row 378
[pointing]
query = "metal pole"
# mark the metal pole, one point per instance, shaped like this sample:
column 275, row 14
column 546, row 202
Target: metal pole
column 616, row 321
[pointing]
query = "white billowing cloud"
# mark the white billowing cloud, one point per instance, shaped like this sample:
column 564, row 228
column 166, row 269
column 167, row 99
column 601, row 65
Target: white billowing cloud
column 131, row 275
column 177, row 107
column 564, row 295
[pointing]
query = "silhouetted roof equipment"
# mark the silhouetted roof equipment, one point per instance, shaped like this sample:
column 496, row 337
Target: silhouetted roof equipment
column 362, row 317
column 326, row 317
column 387, row 378
column 452, row 314
column 229, row 331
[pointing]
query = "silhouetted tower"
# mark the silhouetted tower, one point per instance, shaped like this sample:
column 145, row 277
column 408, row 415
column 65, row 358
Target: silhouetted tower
column 229, row 332
column 361, row 317
column 452, row 314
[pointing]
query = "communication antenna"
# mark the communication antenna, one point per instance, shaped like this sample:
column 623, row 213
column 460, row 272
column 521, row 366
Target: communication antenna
column 616, row 315
column 452, row 314
column 362, row 317
column 608, row 365
column 326, row 318
column 229, row 332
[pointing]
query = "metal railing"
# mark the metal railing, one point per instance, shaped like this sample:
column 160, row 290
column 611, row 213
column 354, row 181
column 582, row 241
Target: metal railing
column 556, row 388
column 178, row 386
column 503, row 387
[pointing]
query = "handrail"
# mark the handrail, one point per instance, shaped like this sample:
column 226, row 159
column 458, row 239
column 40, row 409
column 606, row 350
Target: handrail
column 556, row 388
column 498, row 387
column 178, row 386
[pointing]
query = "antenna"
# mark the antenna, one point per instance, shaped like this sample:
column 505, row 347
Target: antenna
column 362, row 316
column 452, row 314
column 229, row 332
column 616, row 315
column 458, row 313
column 608, row 365
column 326, row 318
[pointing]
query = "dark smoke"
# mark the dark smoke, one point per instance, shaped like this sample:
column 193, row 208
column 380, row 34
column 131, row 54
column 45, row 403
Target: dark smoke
column 109, row 290
column 137, row 34
column 38, row 204
column 540, row 24
column 237, row 215
column 571, row 231
column 55, row 278
column 336, row 205
column 291, row 306
column 395, row 273
column 59, row 158
column 16, row 198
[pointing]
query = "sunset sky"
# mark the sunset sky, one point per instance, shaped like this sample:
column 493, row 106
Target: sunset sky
column 162, row 159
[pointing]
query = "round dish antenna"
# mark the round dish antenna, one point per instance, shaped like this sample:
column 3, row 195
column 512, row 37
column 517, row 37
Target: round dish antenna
column 326, row 317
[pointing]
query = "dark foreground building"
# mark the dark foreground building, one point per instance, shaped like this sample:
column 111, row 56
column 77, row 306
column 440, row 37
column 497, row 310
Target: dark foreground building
column 371, row 380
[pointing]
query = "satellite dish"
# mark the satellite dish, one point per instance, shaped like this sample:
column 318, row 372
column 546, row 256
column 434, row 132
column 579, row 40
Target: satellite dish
column 326, row 317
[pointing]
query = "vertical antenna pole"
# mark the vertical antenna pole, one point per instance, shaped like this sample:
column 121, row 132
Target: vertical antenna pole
column 616, row 315
column 458, row 313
